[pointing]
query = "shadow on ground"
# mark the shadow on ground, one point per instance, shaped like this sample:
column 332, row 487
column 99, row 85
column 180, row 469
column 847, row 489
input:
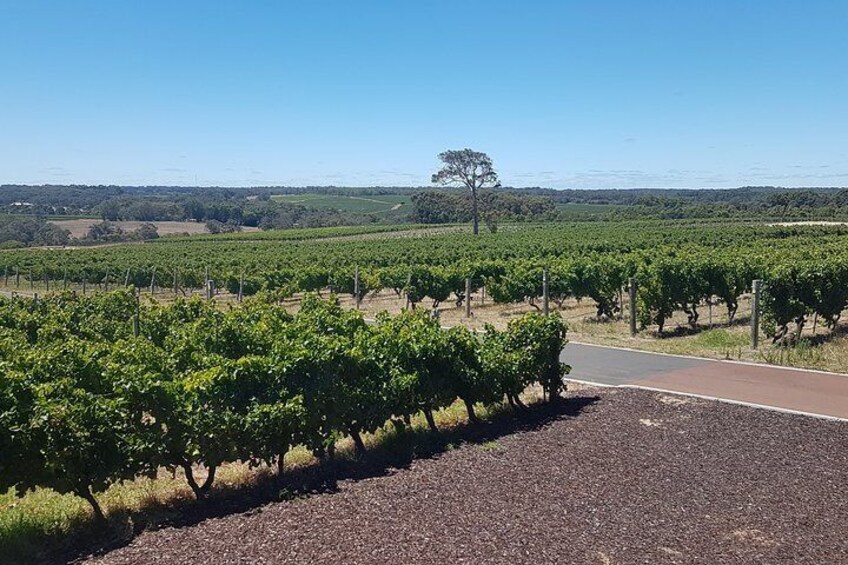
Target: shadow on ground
column 396, row 451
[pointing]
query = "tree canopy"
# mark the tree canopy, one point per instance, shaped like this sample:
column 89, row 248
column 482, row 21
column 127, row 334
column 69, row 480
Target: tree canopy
column 469, row 168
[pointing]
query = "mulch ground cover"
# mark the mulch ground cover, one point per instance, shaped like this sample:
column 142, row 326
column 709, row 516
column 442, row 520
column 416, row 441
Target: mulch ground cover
column 610, row 477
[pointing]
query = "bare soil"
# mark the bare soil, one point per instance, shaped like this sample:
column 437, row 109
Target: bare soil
column 612, row 476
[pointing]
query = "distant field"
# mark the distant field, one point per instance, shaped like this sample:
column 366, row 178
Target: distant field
column 360, row 204
column 79, row 227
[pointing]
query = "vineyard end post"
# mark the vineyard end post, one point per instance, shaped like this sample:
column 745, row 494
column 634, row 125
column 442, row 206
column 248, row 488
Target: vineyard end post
column 631, row 289
column 356, row 287
column 756, row 287
column 137, row 318
column 241, row 287
column 545, row 302
column 467, row 297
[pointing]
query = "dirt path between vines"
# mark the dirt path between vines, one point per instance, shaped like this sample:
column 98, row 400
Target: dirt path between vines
column 618, row 476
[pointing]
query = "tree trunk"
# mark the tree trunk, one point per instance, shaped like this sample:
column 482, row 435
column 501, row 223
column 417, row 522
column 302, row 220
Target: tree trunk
column 474, row 210
column 799, row 327
column 780, row 333
column 207, row 484
column 472, row 416
column 428, row 414
column 399, row 425
column 518, row 402
column 200, row 491
column 357, row 442
column 85, row 494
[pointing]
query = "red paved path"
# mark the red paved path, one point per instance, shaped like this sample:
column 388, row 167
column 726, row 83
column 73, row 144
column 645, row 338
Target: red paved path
column 813, row 392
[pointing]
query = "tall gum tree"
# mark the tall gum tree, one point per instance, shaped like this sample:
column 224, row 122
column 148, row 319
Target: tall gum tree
column 468, row 168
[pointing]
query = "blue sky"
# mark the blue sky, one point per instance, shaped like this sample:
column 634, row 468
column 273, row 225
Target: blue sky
column 562, row 94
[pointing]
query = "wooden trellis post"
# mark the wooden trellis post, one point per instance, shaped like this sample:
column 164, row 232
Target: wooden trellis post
column 545, row 303
column 468, row 297
column 153, row 281
column 631, row 288
column 756, row 287
column 137, row 317
column 356, row 287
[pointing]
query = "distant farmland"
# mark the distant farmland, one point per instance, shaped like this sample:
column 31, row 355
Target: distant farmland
column 359, row 204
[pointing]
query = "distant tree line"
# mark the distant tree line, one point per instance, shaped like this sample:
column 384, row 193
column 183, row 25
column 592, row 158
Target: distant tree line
column 25, row 231
column 439, row 207
column 103, row 232
column 228, row 209
column 785, row 205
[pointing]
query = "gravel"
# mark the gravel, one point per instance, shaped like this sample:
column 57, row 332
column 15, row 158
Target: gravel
column 622, row 476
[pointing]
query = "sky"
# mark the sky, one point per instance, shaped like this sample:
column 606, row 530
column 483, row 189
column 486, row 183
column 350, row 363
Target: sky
column 675, row 93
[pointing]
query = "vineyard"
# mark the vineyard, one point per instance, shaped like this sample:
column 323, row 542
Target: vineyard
column 99, row 389
column 679, row 267
column 194, row 355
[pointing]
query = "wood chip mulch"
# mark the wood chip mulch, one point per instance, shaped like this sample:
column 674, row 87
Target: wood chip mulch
column 630, row 477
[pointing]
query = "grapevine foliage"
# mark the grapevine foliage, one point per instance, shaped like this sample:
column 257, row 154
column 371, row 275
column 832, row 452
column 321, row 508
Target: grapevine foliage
column 85, row 403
